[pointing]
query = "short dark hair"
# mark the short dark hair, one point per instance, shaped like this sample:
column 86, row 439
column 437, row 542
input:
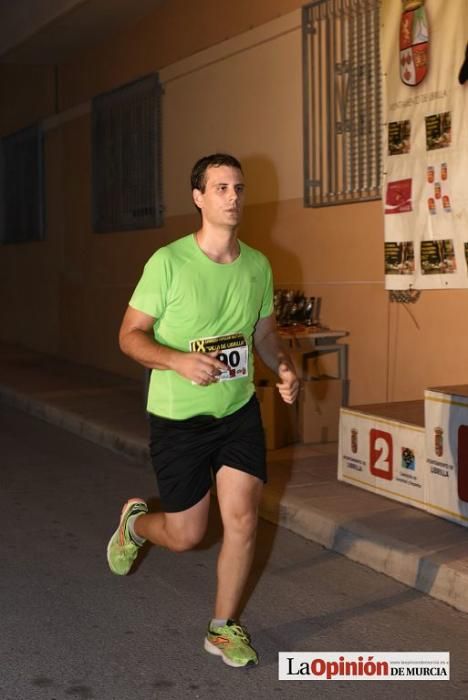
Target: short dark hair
column 215, row 160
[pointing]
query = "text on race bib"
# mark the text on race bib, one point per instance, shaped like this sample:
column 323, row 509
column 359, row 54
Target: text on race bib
column 231, row 349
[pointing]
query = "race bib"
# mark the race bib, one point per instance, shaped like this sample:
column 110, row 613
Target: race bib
column 231, row 349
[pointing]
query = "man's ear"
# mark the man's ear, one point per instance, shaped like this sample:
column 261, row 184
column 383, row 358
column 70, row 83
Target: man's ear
column 197, row 197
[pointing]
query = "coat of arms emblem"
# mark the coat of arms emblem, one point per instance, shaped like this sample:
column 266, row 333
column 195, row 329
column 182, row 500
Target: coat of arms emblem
column 414, row 42
column 354, row 440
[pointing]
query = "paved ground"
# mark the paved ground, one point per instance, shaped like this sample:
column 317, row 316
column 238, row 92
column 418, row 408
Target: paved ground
column 70, row 630
column 303, row 495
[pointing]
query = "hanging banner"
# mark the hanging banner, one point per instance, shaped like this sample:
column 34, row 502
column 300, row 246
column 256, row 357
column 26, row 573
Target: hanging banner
column 425, row 188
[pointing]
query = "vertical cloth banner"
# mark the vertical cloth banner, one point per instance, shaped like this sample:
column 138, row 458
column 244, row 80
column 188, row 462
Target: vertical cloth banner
column 425, row 183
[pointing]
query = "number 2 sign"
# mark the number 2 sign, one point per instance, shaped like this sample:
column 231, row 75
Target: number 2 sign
column 381, row 454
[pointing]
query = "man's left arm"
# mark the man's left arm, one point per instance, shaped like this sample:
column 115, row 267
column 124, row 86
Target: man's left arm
column 269, row 346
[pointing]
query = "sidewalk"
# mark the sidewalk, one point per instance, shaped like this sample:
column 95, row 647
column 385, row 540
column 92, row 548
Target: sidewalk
column 303, row 494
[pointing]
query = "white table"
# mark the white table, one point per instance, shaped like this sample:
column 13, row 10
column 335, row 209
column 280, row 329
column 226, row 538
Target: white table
column 316, row 341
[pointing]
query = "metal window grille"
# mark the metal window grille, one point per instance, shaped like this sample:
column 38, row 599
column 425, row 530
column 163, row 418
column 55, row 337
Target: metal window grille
column 342, row 102
column 22, row 186
column 126, row 148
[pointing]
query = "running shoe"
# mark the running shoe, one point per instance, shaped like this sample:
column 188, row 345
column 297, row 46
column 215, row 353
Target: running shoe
column 232, row 643
column 122, row 550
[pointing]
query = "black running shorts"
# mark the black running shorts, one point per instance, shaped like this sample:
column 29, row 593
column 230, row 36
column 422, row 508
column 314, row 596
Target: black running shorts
column 185, row 453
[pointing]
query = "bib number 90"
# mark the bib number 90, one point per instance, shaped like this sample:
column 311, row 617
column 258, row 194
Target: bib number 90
column 232, row 350
column 231, row 358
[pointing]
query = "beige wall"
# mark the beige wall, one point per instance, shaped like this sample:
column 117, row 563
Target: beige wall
column 176, row 30
column 232, row 81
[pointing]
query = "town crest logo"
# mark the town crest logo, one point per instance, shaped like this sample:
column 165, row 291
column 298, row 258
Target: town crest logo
column 414, row 42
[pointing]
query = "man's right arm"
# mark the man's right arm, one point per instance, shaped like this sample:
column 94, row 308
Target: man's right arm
column 136, row 341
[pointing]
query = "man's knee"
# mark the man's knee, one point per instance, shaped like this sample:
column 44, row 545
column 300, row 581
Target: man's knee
column 186, row 529
column 241, row 524
column 184, row 541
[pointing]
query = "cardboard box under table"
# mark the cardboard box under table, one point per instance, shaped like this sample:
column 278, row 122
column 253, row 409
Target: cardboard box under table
column 279, row 420
column 322, row 364
column 319, row 410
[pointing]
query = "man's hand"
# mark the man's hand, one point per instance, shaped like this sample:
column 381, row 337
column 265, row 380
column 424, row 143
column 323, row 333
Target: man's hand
column 288, row 386
column 201, row 368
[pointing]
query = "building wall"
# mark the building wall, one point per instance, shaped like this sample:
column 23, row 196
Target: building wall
column 27, row 94
column 232, row 81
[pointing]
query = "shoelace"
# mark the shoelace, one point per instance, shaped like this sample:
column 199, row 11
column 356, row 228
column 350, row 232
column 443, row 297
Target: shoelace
column 241, row 632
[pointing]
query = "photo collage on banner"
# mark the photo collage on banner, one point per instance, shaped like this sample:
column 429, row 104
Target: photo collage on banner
column 425, row 198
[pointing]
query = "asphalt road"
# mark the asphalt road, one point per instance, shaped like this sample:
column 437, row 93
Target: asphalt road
column 69, row 629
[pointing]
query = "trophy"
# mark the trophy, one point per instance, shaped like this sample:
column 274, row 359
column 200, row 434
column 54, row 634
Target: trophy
column 293, row 308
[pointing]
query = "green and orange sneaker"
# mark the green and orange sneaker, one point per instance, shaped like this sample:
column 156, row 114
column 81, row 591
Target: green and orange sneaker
column 232, row 643
column 122, row 550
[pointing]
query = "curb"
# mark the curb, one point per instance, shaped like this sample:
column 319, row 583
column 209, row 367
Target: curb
column 405, row 563
column 76, row 424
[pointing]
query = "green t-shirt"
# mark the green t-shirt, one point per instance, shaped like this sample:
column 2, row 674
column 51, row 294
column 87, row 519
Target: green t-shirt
column 203, row 305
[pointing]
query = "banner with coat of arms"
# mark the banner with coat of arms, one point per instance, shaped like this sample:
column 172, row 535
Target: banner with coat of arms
column 425, row 184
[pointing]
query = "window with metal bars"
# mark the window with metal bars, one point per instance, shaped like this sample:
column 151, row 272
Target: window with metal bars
column 21, row 186
column 126, row 146
column 342, row 102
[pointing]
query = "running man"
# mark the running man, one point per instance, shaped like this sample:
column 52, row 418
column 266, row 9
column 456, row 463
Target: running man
column 201, row 305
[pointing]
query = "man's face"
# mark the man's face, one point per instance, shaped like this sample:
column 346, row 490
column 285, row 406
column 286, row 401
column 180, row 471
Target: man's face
column 222, row 201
